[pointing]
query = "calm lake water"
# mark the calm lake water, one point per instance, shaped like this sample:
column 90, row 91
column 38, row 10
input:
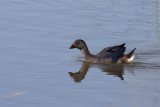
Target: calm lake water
column 37, row 69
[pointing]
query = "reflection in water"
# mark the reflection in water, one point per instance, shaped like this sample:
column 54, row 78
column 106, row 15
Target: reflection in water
column 111, row 69
column 78, row 76
column 117, row 70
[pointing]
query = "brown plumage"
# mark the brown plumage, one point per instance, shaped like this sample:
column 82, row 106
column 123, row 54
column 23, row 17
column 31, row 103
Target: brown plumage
column 113, row 54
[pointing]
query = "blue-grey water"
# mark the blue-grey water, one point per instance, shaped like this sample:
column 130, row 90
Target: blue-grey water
column 37, row 69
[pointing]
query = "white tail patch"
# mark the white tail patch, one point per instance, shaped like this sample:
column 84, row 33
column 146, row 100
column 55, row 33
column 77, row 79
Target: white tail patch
column 131, row 58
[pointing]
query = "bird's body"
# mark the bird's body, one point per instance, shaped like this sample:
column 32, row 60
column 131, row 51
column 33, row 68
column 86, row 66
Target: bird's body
column 113, row 54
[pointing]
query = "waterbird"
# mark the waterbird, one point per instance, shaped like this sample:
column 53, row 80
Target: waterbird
column 112, row 54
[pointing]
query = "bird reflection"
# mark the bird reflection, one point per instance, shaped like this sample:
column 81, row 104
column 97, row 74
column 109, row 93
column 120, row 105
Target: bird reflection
column 111, row 69
column 117, row 70
column 80, row 75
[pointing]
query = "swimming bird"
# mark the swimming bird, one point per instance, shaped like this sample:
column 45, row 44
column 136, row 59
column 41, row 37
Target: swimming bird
column 113, row 54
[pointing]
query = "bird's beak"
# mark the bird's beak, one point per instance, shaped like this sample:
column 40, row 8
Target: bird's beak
column 73, row 46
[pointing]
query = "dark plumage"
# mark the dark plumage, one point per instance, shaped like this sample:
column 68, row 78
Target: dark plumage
column 113, row 54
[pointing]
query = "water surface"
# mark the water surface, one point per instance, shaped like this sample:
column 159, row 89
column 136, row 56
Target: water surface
column 37, row 68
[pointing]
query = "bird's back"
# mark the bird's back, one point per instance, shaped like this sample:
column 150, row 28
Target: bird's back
column 113, row 53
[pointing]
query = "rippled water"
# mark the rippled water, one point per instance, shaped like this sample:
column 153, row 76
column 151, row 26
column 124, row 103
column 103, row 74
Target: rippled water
column 37, row 68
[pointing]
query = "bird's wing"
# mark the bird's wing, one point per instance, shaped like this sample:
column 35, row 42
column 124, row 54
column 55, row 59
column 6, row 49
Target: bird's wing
column 113, row 52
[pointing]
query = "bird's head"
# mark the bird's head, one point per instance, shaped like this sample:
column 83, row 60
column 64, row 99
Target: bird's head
column 80, row 44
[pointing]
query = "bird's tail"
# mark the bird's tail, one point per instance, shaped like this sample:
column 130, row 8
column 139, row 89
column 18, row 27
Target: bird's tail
column 131, row 56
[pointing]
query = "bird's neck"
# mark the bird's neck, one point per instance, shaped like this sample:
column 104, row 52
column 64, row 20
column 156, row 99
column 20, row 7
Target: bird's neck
column 86, row 54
